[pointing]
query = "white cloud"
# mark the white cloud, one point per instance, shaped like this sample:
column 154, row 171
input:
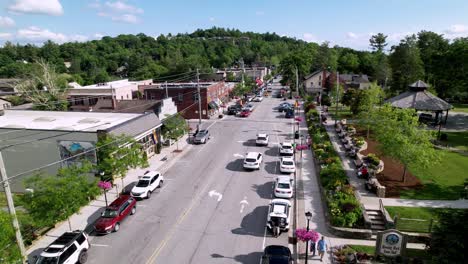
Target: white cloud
column 259, row 13
column 352, row 35
column 6, row 35
column 119, row 6
column 38, row 35
column 96, row 4
column 46, row 7
column 98, row 36
column 127, row 18
column 212, row 19
column 456, row 31
column 6, row 22
column 309, row 37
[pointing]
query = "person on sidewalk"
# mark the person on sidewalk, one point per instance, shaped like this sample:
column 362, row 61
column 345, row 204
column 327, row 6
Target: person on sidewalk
column 322, row 247
column 312, row 247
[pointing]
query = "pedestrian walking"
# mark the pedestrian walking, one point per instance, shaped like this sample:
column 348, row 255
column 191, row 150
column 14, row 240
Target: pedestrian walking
column 322, row 247
column 312, row 248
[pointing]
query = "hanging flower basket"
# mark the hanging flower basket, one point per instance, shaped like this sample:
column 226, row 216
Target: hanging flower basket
column 304, row 235
column 105, row 185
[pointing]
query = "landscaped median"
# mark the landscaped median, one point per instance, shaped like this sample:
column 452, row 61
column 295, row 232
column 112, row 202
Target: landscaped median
column 344, row 209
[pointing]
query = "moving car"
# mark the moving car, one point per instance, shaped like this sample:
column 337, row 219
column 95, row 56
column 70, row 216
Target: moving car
column 147, row 184
column 262, row 140
column 234, row 109
column 114, row 214
column 283, row 187
column 275, row 254
column 244, row 113
column 284, row 106
column 287, row 165
column 258, row 99
column 201, row 137
column 289, row 113
column 286, row 148
column 70, row 247
column 253, row 160
column 249, row 107
column 279, row 214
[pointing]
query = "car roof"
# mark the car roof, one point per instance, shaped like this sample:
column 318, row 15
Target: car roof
column 279, row 201
column 252, row 155
column 119, row 201
column 286, row 143
column 283, row 179
column 262, row 135
column 287, row 159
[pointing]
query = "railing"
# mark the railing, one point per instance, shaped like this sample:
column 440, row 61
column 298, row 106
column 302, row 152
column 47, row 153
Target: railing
column 389, row 222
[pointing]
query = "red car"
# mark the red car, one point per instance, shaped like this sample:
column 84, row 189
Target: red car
column 114, row 214
column 245, row 113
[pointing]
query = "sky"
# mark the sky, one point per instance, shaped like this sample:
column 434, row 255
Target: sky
column 347, row 23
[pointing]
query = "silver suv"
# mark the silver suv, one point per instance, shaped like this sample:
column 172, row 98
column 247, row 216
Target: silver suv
column 70, row 247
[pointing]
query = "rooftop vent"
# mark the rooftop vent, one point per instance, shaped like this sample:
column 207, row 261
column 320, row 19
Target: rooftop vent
column 89, row 121
column 44, row 119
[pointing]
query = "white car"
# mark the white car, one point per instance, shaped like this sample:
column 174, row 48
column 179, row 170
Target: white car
column 287, row 165
column 147, row 184
column 253, row 160
column 70, row 247
column 283, row 187
column 278, row 213
column 286, row 148
column 262, row 140
column 258, row 99
column 250, row 107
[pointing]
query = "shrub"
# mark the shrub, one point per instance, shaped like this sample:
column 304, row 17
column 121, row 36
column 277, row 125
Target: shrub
column 443, row 137
column 373, row 159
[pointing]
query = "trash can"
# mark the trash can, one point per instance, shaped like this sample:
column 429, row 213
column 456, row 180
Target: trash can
column 296, row 135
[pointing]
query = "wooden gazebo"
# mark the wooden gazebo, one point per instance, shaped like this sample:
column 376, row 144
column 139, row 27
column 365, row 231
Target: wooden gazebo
column 418, row 98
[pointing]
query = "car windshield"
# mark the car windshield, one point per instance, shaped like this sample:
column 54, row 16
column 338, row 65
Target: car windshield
column 283, row 185
column 202, row 132
column 286, row 147
column 261, row 138
column 250, row 160
column 287, row 162
column 47, row 260
column 142, row 183
column 109, row 213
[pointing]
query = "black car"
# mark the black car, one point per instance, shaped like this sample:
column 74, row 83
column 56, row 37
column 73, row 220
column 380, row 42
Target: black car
column 233, row 110
column 289, row 113
column 277, row 255
column 284, row 107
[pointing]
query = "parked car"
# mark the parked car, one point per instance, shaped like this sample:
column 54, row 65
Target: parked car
column 287, row 165
column 275, row 254
column 244, row 113
column 253, row 160
column 258, row 99
column 279, row 214
column 262, row 140
column 114, row 214
column 234, row 109
column 289, row 113
column 284, row 107
column 70, row 247
column 201, row 137
column 286, row 148
column 250, row 107
column 283, row 187
column 147, row 184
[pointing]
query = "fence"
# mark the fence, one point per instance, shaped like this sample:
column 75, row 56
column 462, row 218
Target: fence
column 414, row 225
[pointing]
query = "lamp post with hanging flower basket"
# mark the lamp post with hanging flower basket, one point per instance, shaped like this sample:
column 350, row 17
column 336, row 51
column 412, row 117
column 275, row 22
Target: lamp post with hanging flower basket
column 105, row 185
column 306, row 235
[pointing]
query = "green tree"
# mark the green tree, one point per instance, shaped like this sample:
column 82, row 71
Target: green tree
column 348, row 63
column 9, row 252
column 56, row 198
column 378, row 42
column 174, row 127
column 400, row 137
column 118, row 154
column 448, row 240
column 370, row 99
column 433, row 48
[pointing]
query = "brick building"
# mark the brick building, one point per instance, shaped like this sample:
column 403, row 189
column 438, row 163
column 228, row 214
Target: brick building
column 184, row 95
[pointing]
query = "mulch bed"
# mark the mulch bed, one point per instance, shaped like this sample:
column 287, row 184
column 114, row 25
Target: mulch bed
column 392, row 175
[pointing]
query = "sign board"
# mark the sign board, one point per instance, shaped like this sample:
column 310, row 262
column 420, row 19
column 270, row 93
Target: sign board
column 391, row 243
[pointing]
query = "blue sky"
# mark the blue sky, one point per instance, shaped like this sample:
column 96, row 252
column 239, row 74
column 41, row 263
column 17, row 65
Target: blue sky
column 347, row 23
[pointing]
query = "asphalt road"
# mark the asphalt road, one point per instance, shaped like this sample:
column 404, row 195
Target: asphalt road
column 184, row 224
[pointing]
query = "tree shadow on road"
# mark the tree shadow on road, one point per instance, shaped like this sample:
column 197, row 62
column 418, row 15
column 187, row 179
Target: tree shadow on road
column 250, row 143
column 253, row 223
column 272, row 151
column 253, row 257
column 272, row 167
column 91, row 219
column 235, row 165
column 264, row 190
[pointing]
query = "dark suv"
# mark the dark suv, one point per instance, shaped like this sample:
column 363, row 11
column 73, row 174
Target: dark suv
column 277, row 255
column 233, row 110
column 114, row 214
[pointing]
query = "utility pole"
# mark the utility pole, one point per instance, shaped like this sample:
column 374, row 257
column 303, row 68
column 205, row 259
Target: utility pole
column 167, row 94
column 243, row 73
column 297, row 82
column 11, row 208
column 199, row 101
column 337, row 91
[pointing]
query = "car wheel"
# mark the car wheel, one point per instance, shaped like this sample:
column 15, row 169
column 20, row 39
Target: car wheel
column 116, row 227
column 148, row 195
column 160, row 184
column 83, row 257
column 133, row 210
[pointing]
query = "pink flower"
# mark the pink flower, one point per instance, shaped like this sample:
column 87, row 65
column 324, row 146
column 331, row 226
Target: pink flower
column 104, row 185
column 304, row 235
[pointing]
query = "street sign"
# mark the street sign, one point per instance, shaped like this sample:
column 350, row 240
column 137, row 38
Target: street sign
column 391, row 243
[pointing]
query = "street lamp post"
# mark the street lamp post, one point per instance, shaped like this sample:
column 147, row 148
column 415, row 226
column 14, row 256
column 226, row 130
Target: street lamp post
column 308, row 216
column 337, row 91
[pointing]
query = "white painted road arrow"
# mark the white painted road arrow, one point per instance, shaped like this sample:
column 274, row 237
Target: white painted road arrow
column 243, row 204
column 213, row 192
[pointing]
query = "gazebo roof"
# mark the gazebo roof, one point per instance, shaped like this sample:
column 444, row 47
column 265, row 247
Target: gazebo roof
column 419, row 85
column 421, row 100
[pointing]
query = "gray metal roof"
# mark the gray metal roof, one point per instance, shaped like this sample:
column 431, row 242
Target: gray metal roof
column 420, row 100
column 136, row 126
column 419, row 84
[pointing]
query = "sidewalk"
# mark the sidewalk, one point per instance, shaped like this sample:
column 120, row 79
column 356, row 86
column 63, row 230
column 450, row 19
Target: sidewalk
column 85, row 218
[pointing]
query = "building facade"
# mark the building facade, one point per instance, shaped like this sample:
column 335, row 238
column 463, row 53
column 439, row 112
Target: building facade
column 314, row 83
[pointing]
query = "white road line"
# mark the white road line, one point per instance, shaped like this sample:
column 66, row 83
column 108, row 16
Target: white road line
column 99, row 245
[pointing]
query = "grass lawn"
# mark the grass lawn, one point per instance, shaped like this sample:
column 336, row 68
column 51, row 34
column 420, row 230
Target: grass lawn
column 425, row 214
column 343, row 111
column 443, row 181
column 457, row 140
column 411, row 252
column 460, row 108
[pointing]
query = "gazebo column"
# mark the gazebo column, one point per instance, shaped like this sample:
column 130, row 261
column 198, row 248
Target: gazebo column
column 446, row 116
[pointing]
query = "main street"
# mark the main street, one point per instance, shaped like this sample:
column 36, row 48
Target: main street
column 210, row 210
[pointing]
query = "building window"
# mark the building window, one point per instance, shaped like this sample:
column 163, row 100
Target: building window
column 127, row 96
column 93, row 101
column 195, row 97
column 181, row 97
